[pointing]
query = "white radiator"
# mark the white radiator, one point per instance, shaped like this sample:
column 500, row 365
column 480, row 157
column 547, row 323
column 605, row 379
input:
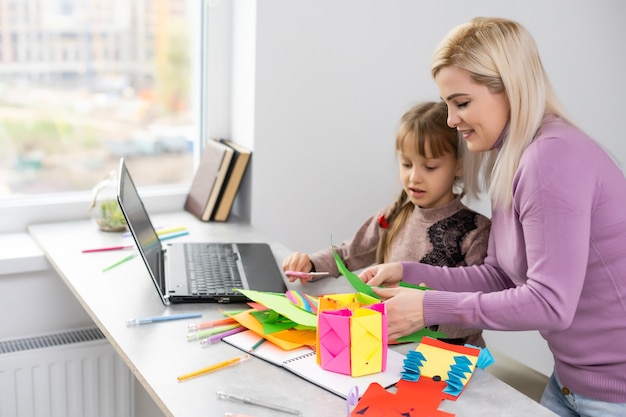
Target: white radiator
column 71, row 374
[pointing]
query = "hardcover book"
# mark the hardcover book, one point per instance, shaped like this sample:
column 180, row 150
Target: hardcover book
column 234, row 177
column 208, row 180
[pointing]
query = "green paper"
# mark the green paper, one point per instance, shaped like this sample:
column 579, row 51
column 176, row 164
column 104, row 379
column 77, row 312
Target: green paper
column 281, row 304
column 362, row 287
column 354, row 280
column 417, row 336
column 365, row 289
column 272, row 321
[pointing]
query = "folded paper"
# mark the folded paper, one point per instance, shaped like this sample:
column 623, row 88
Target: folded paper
column 443, row 361
column 352, row 335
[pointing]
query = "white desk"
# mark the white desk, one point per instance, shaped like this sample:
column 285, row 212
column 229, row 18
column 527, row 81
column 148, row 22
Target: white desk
column 157, row 353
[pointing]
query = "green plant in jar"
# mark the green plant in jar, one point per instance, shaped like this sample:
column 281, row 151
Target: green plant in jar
column 105, row 210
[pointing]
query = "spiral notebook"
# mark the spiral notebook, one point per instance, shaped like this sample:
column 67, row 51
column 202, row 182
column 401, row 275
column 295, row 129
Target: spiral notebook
column 302, row 362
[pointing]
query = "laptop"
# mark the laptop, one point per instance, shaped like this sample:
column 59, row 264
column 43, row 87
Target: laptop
column 195, row 272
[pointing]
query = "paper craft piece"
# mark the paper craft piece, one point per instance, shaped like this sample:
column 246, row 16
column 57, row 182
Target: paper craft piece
column 339, row 302
column 457, row 374
column 353, row 341
column 334, row 336
column 306, row 337
column 414, row 399
column 412, row 364
column 272, row 321
column 435, row 359
column 302, row 300
column 280, row 304
column 485, row 358
column 368, row 337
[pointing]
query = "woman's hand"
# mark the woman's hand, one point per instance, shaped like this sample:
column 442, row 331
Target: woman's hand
column 386, row 275
column 405, row 310
column 300, row 262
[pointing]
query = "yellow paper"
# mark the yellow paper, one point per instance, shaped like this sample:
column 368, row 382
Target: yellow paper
column 439, row 360
column 249, row 321
column 366, row 342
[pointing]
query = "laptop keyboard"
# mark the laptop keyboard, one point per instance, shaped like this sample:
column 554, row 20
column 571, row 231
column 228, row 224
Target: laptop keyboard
column 212, row 269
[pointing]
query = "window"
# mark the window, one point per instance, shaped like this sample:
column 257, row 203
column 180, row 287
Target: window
column 83, row 83
column 68, row 117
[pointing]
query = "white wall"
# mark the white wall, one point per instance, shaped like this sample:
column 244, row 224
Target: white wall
column 333, row 78
column 330, row 80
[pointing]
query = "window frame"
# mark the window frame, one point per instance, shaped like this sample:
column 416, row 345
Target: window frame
column 214, row 25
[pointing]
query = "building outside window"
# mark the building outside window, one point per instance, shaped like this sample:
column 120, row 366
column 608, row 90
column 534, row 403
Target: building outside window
column 85, row 82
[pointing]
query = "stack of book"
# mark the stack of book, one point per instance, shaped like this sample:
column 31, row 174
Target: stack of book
column 215, row 184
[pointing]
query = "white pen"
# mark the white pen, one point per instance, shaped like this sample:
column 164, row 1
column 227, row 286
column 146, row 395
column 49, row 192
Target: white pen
column 224, row 396
column 146, row 320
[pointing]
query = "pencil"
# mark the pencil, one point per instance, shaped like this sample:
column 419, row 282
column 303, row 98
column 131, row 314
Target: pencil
column 257, row 344
column 121, row 261
column 220, row 336
column 173, row 235
column 108, row 248
column 215, row 367
column 201, row 334
column 208, row 324
column 171, row 230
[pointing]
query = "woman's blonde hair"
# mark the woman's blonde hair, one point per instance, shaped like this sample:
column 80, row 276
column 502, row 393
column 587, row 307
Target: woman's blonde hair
column 502, row 55
column 423, row 124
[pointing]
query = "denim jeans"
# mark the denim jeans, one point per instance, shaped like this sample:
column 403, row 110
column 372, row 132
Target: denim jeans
column 565, row 403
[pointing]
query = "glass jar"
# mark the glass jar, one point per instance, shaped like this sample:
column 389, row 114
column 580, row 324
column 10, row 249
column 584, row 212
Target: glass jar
column 104, row 209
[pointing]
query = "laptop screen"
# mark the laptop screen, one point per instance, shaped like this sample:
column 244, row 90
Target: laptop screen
column 140, row 226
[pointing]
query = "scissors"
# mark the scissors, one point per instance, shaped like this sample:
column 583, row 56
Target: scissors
column 306, row 275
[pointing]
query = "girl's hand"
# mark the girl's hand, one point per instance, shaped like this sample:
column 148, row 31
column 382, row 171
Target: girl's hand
column 300, row 262
column 405, row 310
column 385, row 275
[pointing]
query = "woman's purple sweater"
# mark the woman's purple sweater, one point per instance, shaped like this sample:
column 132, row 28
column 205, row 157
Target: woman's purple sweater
column 556, row 263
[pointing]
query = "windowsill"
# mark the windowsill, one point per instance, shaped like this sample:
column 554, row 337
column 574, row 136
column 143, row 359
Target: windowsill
column 20, row 254
column 74, row 206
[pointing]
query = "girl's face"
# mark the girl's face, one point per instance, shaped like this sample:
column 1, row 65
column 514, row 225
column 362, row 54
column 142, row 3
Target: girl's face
column 428, row 181
column 477, row 113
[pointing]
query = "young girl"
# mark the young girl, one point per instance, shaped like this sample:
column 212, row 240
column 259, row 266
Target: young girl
column 428, row 222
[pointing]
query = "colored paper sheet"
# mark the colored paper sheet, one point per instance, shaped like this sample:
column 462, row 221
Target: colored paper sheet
column 355, row 281
column 359, row 285
column 418, row 335
column 368, row 337
column 248, row 320
column 301, row 337
column 414, row 399
column 280, row 304
column 272, row 321
column 302, row 300
column 334, row 341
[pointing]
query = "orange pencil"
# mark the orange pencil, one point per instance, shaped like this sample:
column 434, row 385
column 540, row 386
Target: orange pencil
column 207, row 324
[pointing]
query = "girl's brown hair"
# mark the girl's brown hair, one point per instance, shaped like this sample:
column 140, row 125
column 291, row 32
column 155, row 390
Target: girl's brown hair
column 423, row 124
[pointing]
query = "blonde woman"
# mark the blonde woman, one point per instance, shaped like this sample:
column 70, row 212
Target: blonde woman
column 427, row 223
column 557, row 250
